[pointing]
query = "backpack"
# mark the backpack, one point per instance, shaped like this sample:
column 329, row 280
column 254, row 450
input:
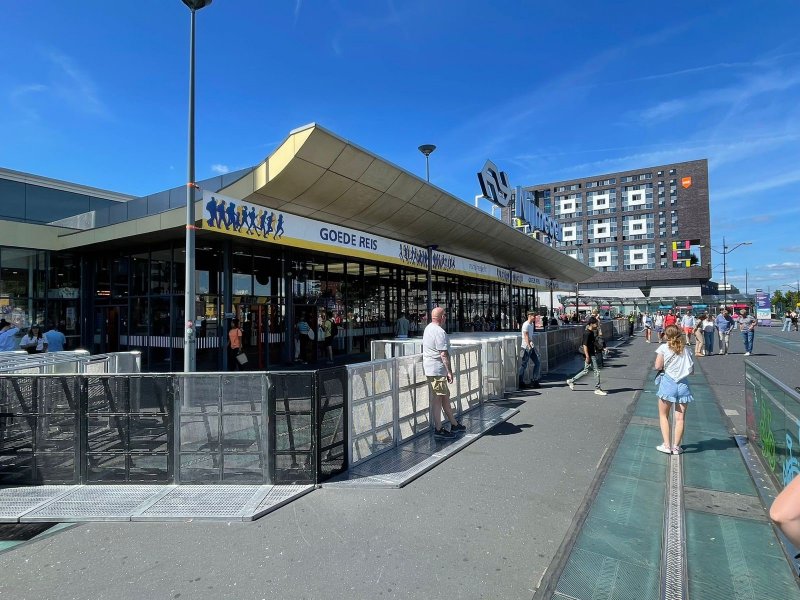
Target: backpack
column 334, row 329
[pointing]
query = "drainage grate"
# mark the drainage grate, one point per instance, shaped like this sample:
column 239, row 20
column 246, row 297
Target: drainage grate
column 673, row 563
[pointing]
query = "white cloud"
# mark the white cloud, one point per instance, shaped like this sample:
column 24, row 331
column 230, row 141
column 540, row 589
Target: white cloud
column 784, row 266
column 75, row 86
column 752, row 86
column 220, row 169
column 766, row 183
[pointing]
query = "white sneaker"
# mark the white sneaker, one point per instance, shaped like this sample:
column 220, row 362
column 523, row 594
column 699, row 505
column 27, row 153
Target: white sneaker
column 665, row 449
column 721, row 353
column 571, row 384
column 599, row 392
column 747, row 354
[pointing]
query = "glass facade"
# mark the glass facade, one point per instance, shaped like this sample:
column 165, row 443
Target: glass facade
column 134, row 300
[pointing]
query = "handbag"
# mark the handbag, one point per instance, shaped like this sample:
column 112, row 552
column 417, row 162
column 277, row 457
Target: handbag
column 241, row 358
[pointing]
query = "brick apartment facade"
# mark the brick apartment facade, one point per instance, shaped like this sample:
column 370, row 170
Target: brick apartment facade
column 624, row 225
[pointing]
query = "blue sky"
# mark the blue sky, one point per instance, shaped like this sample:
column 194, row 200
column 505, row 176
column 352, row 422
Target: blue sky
column 95, row 92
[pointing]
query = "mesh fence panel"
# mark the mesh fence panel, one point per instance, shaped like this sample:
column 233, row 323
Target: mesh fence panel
column 371, row 408
column 128, row 428
column 292, row 400
column 413, row 394
column 39, row 429
column 223, row 428
column 467, row 369
column 510, row 349
column 331, row 422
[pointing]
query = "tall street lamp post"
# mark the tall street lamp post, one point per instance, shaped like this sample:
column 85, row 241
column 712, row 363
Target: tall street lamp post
column 427, row 149
column 725, row 251
column 190, row 343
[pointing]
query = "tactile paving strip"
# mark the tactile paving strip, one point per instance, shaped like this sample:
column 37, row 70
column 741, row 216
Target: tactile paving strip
column 15, row 502
column 94, row 503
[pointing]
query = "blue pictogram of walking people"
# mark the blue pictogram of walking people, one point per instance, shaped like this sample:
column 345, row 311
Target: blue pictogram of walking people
column 228, row 214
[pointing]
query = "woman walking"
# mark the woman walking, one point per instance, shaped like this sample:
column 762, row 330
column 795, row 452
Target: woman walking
column 675, row 363
column 699, row 342
column 708, row 335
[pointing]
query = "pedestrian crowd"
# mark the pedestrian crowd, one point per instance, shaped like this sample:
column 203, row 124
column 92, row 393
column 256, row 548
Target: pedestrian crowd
column 703, row 329
column 790, row 320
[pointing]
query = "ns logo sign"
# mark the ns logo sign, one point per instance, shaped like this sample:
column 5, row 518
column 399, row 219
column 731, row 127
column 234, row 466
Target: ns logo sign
column 494, row 185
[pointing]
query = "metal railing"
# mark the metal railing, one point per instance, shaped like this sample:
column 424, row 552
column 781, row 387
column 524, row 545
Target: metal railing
column 772, row 414
column 73, row 361
column 389, row 399
column 280, row 427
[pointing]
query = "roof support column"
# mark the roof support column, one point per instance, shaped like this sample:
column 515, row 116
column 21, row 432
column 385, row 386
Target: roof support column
column 430, row 280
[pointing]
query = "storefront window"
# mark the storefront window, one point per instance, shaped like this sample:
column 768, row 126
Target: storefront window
column 141, row 272
column 161, row 272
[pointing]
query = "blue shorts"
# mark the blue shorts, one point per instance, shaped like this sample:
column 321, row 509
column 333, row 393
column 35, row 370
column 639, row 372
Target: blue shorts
column 674, row 391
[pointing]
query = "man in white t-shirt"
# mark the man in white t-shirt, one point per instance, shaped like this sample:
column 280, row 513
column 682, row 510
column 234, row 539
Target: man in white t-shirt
column 529, row 353
column 436, row 365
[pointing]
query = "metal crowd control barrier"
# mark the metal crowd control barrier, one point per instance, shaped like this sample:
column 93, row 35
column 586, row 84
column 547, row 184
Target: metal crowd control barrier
column 491, row 355
column 389, row 400
column 74, row 361
column 173, row 428
column 562, row 343
column 620, row 327
column 772, row 413
column 380, row 349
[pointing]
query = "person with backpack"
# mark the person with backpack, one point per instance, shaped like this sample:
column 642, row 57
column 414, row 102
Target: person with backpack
column 589, row 351
column 331, row 331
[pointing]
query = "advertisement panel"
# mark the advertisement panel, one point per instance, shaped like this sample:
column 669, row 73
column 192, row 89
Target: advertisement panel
column 763, row 309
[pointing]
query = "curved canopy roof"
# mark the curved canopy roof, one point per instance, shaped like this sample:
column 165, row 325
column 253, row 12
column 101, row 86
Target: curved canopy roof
column 316, row 174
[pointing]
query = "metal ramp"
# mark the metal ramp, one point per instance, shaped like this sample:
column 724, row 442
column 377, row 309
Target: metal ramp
column 79, row 503
column 401, row 465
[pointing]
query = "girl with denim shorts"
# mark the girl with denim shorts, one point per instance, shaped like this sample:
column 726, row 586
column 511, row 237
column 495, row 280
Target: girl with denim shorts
column 675, row 362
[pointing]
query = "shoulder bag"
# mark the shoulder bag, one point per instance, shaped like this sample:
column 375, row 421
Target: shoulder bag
column 660, row 372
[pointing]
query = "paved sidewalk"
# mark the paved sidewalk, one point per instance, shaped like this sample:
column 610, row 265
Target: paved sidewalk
column 623, row 547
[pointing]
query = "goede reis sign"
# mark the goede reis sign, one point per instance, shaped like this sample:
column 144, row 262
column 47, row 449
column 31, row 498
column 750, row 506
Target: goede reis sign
column 495, row 188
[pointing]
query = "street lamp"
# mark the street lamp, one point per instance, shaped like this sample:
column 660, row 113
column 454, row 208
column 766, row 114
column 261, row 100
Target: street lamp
column 190, row 343
column 725, row 251
column 427, row 149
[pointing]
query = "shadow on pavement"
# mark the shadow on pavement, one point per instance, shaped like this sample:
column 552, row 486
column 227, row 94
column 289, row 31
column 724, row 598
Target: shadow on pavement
column 710, row 444
column 508, row 428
